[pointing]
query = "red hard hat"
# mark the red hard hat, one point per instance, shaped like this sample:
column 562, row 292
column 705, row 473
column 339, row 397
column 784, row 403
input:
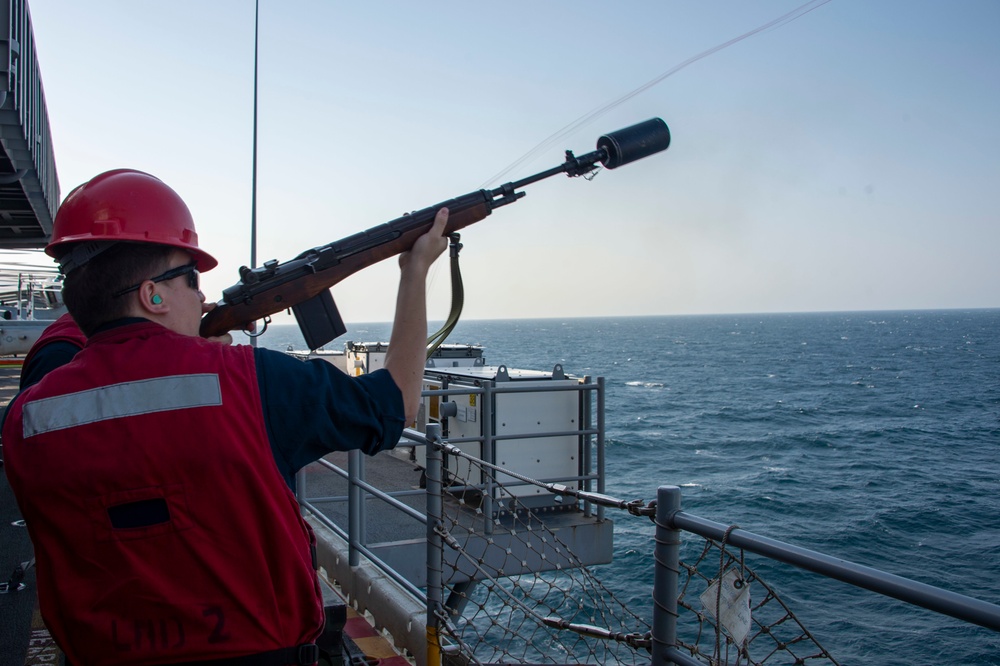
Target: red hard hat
column 126, row 205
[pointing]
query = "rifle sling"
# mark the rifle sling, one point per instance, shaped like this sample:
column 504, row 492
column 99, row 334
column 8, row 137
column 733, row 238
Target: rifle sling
column 457, row 299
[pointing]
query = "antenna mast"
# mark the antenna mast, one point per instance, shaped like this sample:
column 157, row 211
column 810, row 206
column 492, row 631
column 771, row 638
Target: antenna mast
column 253, row 178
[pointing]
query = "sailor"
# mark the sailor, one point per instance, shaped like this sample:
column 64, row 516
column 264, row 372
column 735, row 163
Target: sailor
column 153, row 470
column 56, row 346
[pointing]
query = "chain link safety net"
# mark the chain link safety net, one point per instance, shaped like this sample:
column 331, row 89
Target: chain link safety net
column 772, row 635
column 514, row 592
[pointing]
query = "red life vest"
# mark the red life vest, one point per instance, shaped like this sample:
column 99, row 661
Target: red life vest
column 63, row 329
column 163, row 531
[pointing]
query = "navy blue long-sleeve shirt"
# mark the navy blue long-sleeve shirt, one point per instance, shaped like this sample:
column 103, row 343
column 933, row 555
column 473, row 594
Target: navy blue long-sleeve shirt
column 310, row 408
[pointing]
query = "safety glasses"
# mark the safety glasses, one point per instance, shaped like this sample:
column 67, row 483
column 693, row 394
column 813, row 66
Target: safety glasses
column 187, row 269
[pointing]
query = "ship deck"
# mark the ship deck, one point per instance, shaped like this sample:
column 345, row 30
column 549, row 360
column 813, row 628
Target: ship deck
column 399, row 541
column 17, row 608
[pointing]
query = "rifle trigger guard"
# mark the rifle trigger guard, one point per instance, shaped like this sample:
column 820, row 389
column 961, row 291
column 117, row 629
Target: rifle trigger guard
column 250, row 331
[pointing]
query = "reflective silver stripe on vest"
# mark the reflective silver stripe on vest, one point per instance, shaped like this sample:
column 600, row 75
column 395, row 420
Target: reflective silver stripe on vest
column 162, row 394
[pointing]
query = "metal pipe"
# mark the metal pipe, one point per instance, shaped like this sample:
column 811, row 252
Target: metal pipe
column 586, row 445
column 372, row 557
column 435, row 546
column 388, row 498
column 489, row 455
column 355, row 499
column 545, row 434
column 675, row 656
column 600, row 443
column 300, row 485
column 666, row 569
column 514, row 388
column 253, row 161
column 919, row 594
column 367, row 491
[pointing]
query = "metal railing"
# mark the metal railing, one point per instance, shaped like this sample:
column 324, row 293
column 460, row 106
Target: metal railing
column 588, row 475
column 670, row 521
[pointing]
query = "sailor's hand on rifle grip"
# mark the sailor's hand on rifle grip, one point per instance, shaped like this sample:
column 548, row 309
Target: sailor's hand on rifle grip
column 429, row 246
column 225, row 338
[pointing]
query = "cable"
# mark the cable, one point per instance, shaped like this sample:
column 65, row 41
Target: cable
column 600, row 111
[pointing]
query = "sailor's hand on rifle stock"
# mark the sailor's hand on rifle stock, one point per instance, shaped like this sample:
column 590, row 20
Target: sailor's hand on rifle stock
column 428, row 247
column 225, row 338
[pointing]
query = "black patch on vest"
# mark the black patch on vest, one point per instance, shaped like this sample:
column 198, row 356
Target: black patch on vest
column 144, row 513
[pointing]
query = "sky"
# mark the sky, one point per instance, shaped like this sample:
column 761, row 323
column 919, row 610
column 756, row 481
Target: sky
column 846, row 160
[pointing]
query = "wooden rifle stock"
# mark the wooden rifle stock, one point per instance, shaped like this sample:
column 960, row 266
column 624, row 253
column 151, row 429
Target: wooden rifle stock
column 303, row 283
column 283, row 286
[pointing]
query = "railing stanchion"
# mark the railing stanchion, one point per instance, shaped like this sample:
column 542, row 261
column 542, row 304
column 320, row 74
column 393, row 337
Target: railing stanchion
column 585, row 454
column 355, row 507
column 489, row 454
column 666, row 557
column 435, row 545
column 600, row 443
column 300, row 485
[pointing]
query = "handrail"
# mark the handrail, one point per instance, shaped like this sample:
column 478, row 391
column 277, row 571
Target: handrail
column 389, row 571
column 509, row 387
column 388, row 498
column 526, row 435
column 359, row 488
column 913, row 592
column 670, row 521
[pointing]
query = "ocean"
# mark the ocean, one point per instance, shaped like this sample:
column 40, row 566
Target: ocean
column 869, row 436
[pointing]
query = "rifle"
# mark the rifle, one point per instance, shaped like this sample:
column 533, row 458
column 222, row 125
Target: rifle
column 303, row 283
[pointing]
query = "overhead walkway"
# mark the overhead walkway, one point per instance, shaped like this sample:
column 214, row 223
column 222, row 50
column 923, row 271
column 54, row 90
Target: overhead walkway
column 29, row 184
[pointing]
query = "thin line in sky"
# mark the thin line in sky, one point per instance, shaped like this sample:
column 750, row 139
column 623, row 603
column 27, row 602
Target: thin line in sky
column 600, row 111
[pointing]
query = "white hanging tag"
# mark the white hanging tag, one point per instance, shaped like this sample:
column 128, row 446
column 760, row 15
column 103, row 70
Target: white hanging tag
column 734, row 604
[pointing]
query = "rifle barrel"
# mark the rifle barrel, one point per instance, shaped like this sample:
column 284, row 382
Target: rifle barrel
column 275, row 287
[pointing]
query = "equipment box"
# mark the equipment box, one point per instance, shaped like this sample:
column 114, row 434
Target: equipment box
column 523, row 420
column 366, row 357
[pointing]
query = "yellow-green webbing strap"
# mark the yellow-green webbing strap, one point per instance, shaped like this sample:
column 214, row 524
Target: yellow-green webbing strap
column 457, row 299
